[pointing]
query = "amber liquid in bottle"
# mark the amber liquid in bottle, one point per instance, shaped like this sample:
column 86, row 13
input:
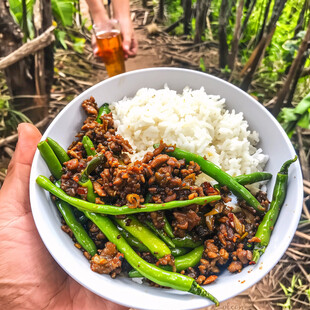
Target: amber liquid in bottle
column 111, row 52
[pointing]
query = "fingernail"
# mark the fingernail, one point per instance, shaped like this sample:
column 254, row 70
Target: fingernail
column 19, row 128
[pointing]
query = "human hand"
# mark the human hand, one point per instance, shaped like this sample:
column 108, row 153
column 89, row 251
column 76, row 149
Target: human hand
column 130, row 43
column 29, row 276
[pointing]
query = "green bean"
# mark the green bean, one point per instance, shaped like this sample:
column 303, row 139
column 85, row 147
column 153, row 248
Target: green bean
column 156, row 246
column 76, row 227
column 219, row 175
column 161, row 234
column 190, row 259
column 91, row 196
column 45, row 183
column 266, row 226
column 88, row 146
column 50, row 159
column 254, row 177
column 153, row 273
column 91, row 166
column 132, row 241
column 84, row 180
column 179, row 251
column 58, row 150
column 167, row 228
column 104, row 109
column 186, row 242
column 80, row 216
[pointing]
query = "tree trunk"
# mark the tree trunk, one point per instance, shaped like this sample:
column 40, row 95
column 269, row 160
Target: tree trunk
column 296, row 67
column 250, row 6
column 27, row 81
column 258, row 53
column 161, row 11
column 295, row 80
column 223, row 20
column 202, row 7
column 187, row 8
column 236, row 38
column 301, row 18
column 266, row 13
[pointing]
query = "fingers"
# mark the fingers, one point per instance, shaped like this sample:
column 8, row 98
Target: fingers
column 130, row 47
column 14, row 191
column 130, row 44
column 94, row 45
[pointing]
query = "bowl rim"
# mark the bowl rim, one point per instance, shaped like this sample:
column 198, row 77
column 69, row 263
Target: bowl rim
column 267, row 267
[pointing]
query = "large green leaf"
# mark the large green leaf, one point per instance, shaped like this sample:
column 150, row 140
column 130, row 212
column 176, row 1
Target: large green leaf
column 63, row 10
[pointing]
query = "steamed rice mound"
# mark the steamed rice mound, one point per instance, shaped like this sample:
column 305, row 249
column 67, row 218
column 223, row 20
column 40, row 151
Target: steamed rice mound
column 194, row 121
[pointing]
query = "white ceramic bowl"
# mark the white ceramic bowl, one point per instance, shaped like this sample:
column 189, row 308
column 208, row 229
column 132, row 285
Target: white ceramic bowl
column 274, row 142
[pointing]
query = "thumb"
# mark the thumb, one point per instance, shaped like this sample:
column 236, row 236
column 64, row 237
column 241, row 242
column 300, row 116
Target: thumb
column 16, row 184
column 28, row 138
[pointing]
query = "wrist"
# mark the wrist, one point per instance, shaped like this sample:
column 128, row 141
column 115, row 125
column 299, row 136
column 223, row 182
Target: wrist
column 100, row 18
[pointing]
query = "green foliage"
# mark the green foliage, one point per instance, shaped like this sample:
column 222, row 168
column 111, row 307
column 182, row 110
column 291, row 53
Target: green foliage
column 289, row 118
column 296, row 288
column 60, row 37
column 202, row 65
column 288, row 291
column 78, row 44
column 9, row 118
column 63, row 11
column 174, row 10
column 17, row 13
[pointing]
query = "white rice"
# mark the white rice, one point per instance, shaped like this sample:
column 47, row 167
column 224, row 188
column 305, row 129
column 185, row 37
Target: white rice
column 193, row 121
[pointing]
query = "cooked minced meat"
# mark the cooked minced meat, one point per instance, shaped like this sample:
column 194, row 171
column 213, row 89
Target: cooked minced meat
column 109, row 261
column 158, row 178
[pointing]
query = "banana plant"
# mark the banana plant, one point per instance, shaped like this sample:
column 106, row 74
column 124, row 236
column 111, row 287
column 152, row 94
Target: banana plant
column 63, row 14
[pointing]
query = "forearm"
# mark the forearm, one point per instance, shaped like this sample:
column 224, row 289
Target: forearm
column 97, row 11
column 121, row 9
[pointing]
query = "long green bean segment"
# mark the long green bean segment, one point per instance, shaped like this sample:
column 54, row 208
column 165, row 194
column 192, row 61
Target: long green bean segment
column 167, row 228
column 132, row 241
column 265, row 228
column 254, row 177
column 88, row 146
column 58, row 150
column 190, row 259
column 104, row 109
column 161, row 234
column 156, row 246
column 153, row 273
column 45, row 183
column 78, row 230
column 186, row 242
column 50, row 159
column 219, row 175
